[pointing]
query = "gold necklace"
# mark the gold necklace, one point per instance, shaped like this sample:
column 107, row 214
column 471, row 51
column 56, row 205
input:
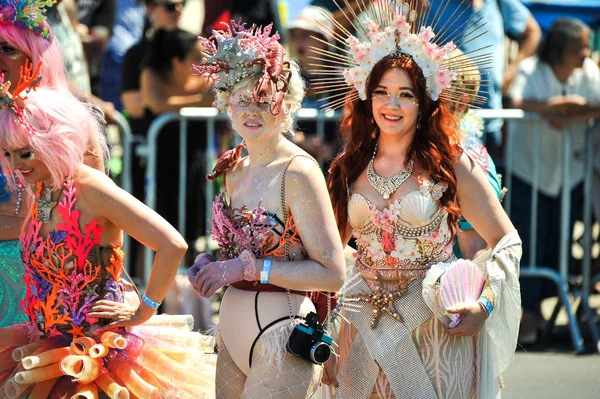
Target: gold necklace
column 386, row 186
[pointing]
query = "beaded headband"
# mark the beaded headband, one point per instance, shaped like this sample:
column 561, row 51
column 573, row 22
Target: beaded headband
column 28, row 14
column 395, row 28
column 29, row 80
column 242, row 53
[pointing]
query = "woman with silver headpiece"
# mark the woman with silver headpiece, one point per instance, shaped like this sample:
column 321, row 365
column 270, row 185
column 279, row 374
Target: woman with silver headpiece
column 398, row 188
column 274, row 225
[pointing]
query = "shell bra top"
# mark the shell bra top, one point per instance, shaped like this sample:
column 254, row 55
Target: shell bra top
column 67, row 271
column 257, row 230
column 403, row 240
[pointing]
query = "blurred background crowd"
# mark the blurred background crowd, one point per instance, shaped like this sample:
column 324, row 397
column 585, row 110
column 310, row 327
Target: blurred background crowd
column 134, row 57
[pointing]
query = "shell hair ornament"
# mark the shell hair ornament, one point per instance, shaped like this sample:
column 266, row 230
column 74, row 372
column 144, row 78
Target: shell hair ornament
column 237, row 53
column 29, row 80
column 409, row 28
column 28, row 14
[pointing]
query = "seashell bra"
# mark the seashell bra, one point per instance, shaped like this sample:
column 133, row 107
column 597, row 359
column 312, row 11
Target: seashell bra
column 405, row 238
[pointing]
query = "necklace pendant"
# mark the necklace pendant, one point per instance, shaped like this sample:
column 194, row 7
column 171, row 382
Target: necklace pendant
column 386, row 196
column 45, row 205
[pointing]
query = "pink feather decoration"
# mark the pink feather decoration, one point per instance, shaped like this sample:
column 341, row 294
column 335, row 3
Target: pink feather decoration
column 460, row 285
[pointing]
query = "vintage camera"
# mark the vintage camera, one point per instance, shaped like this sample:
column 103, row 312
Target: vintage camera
column 309, row 341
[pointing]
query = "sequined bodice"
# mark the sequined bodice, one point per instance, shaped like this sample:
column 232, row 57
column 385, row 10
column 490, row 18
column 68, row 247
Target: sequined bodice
column 403, row 239
column 262, row 232
column 67, row 271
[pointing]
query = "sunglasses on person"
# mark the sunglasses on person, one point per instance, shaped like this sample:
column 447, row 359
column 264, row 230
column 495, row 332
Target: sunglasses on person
column 171, row 6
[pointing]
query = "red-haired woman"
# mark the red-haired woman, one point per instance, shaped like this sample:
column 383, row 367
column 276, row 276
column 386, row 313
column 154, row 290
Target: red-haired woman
column 398, row 188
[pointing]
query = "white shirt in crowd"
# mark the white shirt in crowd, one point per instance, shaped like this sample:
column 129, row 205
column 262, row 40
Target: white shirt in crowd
column 537, row 82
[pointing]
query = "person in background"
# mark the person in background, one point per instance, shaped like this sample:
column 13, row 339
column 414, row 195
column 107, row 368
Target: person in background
column 127, row 31
column 96, row 19
column 563, row 85
column 498, row 18
column 159, row 15
column 304, row 34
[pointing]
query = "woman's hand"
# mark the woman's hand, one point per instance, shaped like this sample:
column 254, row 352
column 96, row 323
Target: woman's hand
column 127, row 319
column 330, row 372
column 207, row 276
column 473, row 319
column 115, row 311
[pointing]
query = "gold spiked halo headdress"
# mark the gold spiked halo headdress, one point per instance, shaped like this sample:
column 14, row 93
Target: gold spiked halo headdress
column 407, row 28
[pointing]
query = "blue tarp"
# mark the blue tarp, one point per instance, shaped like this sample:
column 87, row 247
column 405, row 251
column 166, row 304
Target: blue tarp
column 546, row 11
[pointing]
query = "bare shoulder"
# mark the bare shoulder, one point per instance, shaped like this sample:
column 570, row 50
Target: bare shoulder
column 94, row 186
column 464, row 167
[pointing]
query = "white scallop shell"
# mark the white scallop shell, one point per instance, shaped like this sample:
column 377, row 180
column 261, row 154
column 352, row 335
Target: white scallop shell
column 418, row 209
column 358, row 211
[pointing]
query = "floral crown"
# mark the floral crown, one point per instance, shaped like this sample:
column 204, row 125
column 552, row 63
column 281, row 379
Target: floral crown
column 28, row 14
column 29, row 80
column 242, row 53
column 393, row 28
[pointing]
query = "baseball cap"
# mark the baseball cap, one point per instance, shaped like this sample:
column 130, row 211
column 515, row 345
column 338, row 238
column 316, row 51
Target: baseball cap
column 310, row 19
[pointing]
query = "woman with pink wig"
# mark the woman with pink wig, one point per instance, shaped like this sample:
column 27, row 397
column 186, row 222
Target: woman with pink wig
column 75, row 340
column 25, row 35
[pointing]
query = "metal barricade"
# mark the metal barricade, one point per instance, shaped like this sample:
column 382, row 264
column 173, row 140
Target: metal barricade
column 127, row 139
column 559, row 278
column 210, row 115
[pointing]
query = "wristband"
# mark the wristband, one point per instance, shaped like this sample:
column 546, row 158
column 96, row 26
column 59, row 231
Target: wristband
column 265, row 274
column 487, row 305
column 149, row 302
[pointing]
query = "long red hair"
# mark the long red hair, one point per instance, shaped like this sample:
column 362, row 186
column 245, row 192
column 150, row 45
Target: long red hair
column 434, row 148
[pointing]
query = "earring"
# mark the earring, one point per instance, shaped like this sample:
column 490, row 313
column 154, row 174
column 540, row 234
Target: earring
column 419, row 123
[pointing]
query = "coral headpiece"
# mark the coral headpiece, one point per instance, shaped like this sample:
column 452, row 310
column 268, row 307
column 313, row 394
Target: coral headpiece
column 28, row 14
column 241, row 53
column 29, row 80
column 385, row 28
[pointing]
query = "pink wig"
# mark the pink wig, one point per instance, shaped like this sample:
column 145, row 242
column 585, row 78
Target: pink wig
column 39, row 50
column 63, row 126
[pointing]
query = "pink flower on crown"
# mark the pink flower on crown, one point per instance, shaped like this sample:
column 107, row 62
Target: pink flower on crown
column 426, row 33
column 372, row 26
column 401, row 26
column 444, row 78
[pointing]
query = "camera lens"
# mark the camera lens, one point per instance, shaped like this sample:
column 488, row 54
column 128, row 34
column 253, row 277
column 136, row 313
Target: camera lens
column 320, row 353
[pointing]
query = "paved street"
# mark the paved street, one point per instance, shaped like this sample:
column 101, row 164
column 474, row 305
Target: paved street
column 553, row 376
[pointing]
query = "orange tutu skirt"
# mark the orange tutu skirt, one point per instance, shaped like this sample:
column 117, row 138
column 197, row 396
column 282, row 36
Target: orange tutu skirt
column 159, row 359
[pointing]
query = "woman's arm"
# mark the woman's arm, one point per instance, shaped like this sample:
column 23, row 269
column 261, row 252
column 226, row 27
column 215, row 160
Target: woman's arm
column 136, row 219
column 151, row 89
column 479, row 204
column 308, row 201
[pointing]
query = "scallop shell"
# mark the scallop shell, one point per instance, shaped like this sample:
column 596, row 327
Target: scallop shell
column 358, row 210
column 460, row 285
column 417, row 209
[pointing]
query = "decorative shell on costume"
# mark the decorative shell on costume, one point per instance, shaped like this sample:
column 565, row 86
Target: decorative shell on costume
column 452, row 285
column 418, row 209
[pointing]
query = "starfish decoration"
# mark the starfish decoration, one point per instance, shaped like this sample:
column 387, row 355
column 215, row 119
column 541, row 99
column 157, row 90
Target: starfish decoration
column 45, row 205
column 382, row 302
